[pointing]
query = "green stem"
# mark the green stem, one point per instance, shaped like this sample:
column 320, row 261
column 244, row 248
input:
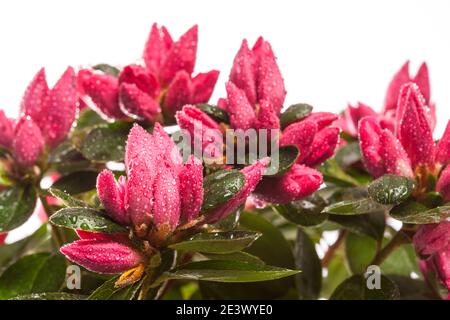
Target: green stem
column 399, row 239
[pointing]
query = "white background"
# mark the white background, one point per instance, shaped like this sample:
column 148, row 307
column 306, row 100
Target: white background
column 330, row 52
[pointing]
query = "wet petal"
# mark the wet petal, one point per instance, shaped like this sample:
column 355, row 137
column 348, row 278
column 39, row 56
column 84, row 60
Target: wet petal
column 369, row 139
column 28, row 143
column 267, row 117
column 322, row 119
column 6, row 129
column 299, row 182
column 442, row 263
column 442, row 155
column 243, row 72
column 323, row 146
column 443, row 184
column 138, row 104
column 300, row 134
column 102, row 256
column 191, row 189
column 34, row 96
column 113, row 237
column 423, row 81
column 112, row 197
column 203, row 86
column 181, row 56
column 179, row 92
column 392, row 94
column 395, row 159
column 157, row 46
column 431, row 238
column 242, row 115
column 145, row 80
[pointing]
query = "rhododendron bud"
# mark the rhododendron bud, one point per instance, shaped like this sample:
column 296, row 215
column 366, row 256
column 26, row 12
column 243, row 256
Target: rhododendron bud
column 191, row 189
column 442, row 154
column 34, row 96
column 349, row 120
column 443, row 184
column 369, row 140
column 6, row 129
column 267, row 118
column 300, row 134
column 179, row 92
column 322, row 119
column 323, row 146
column 432, row 238
column 102, row 256
column 146, row 81
column 253, row 175
column 442, row 264
column 395, row 159
column 299, row 182
column 242, row 114
column 413, row 129
column 112, row 196
column 158, row 44
column 203, row 86
column 28, row 143
column 136, row 103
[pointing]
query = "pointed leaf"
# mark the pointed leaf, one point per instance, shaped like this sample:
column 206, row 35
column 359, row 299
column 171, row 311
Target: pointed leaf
column 355, row 288
column 353, row 207
column 16, row 206
column 221, row 186
column 214, row 112
column 68, row 200
column 391, row 189
column 294, row 113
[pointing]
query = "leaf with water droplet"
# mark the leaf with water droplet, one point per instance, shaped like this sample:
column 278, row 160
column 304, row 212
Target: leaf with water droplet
column 16, row 206
column 391, row 189
column 287, row 157
column 416, row 213
column 294, row 113
column 221, row 186
column 305, row 212
column 68, row 200
column 218, row 242
column 86, row 219
column 77, row 182
column 214, row 112
column 353, row 207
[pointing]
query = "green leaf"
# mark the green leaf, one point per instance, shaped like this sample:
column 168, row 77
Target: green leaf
column 88, row 118
column 107, row 68
column 294, row 113
column 221, row 186
column 87, row 219
column 214, row 112
column 77, row 182
column 348, row 154
column 107, row 291
column 68, row 200
column 333, row 173
column 372, row 224
column 226, row 271
column 235, row 256
column 105, row 144
column 391, row 189
column 355, row 288
column 16, row 206
column 309, row 281
column 353, row 207
column 33, row 274
column 218, row 242
column 287, row 157
column 412, row 289
column 306, row 212
column 417, row 216
column 50, row 296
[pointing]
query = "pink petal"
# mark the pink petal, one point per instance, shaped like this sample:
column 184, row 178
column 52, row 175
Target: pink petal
column 142, row 78
column 323, row 146
column 165, row 148
column 181, row 56
column 140, row 161
column 431, row 238
column 442, row 263
column 243, row 72
column 299, row 182
column 60, row 107
column 443, row 183
column 2, row 238
column 112, row 197
column 102, row 256
column 103, row 89
column 413, row 127
column 423, row 81
column 395, row 159
column 267, row 117
column 138, row 104
column 442, row 155
column 6, row 129
column 322, row 119
column 203, row 86
column 369, row 139
column 242, row 115
column 270, row 81
column 111, row 237
column 158, row 44
column 253, row 175
column 300, row 134
column 179, row 92
column 351, row 117
column 191, row 189
column 28, row 143
column 34, row 96
column 392, row 94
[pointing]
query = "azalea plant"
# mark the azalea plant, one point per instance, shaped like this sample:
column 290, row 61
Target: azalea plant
column 146, row 190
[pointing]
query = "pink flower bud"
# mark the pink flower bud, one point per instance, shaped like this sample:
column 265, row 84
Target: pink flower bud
column 323, row 146
column 112, row 196
column 352, row 114
column 442, row 154
column 146, row 81
column 179, row 92
column 432, row 238
column 203, row 86
column 33, row 98
column 6, row 129
column 158, row 45
column 300, row 134
column 138, row 104
column 242, row 114
column 442, row 264
column 399, row 79
column 191, row 189
column 28, row 143
column 369, row 140
column 395, row 159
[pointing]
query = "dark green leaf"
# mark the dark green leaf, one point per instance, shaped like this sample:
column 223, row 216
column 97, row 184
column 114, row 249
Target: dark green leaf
column 412, row 289
column 16, row 206
column 226, row 271
column 50, row 296
column 107, row 68
column 372, row 224
column 309, row 281
column 218, row 242
column 105, row 144
column 360, row 250
column 235, row 256
column 355, row 288
column 85, row 219
column 348, row 154
column 88, row 118
column 391, row 189
column 107, row 291
column 287, row 156
column 68, row 200
column 306, row 212
column 294, row 113
column 32, row 274
column 353, row 207
column 214, row 112
column 221, row 186
column 77, row 182
column 415, row 216
column 333, row 173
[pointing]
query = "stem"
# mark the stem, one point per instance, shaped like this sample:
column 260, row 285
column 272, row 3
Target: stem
column 400, row 238
column 333, row 248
